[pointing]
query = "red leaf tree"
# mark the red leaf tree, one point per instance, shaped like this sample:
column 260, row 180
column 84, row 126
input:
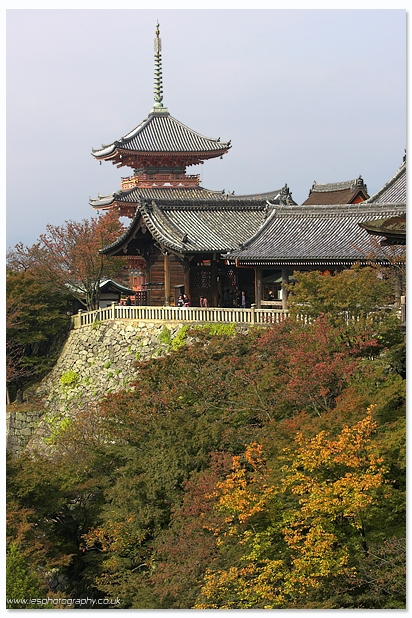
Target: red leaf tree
column 68, row 256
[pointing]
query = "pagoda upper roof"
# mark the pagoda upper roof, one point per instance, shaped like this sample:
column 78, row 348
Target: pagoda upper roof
column 186, row 195
column 161, row 135
column 337, row 192
column 161, row 140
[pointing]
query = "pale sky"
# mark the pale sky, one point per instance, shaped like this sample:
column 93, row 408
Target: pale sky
column 303, row 95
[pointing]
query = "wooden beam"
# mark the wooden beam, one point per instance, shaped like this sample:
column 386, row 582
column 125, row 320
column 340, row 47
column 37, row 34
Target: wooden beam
column 215, row 291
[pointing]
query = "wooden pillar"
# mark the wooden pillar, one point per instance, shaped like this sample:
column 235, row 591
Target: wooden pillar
column 166, row 266
column 187, row 278
column 214, row 282
column 220, row 289
column 258, row 286
column 285, row 281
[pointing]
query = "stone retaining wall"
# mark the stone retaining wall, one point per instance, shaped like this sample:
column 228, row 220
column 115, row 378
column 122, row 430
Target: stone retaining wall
column 20, row 426
column 95, row 360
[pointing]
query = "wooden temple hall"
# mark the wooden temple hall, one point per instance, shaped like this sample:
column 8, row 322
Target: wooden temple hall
column 183, row 238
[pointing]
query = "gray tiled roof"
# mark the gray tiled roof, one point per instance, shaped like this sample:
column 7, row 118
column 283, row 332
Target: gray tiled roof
column 314, row 235
column 187, row 195
column 333, row 186
column 163, row 133
column 394, row 190
column 193, row 228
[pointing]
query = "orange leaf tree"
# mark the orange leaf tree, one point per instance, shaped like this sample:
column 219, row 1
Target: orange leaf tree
column 298, row 533
column 336, row 481
column 68, row 256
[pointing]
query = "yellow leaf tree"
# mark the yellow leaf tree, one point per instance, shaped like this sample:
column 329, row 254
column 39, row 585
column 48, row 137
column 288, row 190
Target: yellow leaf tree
column 296, row 534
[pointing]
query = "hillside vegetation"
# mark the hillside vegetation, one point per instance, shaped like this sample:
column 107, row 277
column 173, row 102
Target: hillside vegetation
column 258, row 470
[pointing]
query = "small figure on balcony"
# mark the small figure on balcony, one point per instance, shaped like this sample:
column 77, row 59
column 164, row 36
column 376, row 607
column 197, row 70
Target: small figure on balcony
column 180, row 301
column 242, row 301
column 186, row 300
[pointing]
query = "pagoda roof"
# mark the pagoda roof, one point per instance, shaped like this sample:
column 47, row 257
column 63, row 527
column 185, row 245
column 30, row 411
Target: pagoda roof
column 186, row 228
column 161, row 140
column 337, row 192
column 188, row 195
column 394, row 190
column 322, row 235
column 161, row 135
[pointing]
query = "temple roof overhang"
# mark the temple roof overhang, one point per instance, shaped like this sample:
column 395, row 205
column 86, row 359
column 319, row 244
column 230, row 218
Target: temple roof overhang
column 161, row 140
column 324, row 235
column 184, row 228
column 392, row 230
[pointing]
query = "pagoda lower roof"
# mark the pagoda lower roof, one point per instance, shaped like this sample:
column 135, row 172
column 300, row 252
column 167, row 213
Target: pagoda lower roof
column 184, row 195
column 159, row 136
column 324, row 235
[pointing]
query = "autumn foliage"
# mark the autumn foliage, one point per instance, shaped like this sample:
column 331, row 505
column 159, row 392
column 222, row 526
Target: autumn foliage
column 67, row 257
column 258, row 470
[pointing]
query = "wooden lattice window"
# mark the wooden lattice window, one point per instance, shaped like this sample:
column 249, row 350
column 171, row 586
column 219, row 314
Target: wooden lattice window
column 201, row 279
column 229, row 278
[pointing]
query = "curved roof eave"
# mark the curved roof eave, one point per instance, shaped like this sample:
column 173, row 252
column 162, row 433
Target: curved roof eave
column 105, row 200
column 124, row 239
column 401, row 171
column 159, row 130
column 263, row 246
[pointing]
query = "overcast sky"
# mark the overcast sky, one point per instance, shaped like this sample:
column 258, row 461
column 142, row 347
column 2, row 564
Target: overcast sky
column 304, row 96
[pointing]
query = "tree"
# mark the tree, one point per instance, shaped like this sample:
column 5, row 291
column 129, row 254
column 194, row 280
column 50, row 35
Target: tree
column 68, row 257
column 389, row 261
column 300, row 533
column 173, row 493
column 336, row 481
column 35, row 319
column 353, row 293
column 187, row 547
column 22, row 583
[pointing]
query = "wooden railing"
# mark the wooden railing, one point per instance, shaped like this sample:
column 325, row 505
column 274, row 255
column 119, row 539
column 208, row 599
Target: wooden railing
column 180, row 314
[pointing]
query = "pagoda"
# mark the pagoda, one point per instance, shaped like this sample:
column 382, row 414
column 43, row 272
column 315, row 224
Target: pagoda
column 158, row 150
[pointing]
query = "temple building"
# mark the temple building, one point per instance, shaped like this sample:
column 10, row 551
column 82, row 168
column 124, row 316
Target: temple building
column 320, row 237
column 349, row 192
column 179, row 230
column 185, row 238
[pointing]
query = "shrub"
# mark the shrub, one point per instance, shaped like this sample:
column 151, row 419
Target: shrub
column 70, row 378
